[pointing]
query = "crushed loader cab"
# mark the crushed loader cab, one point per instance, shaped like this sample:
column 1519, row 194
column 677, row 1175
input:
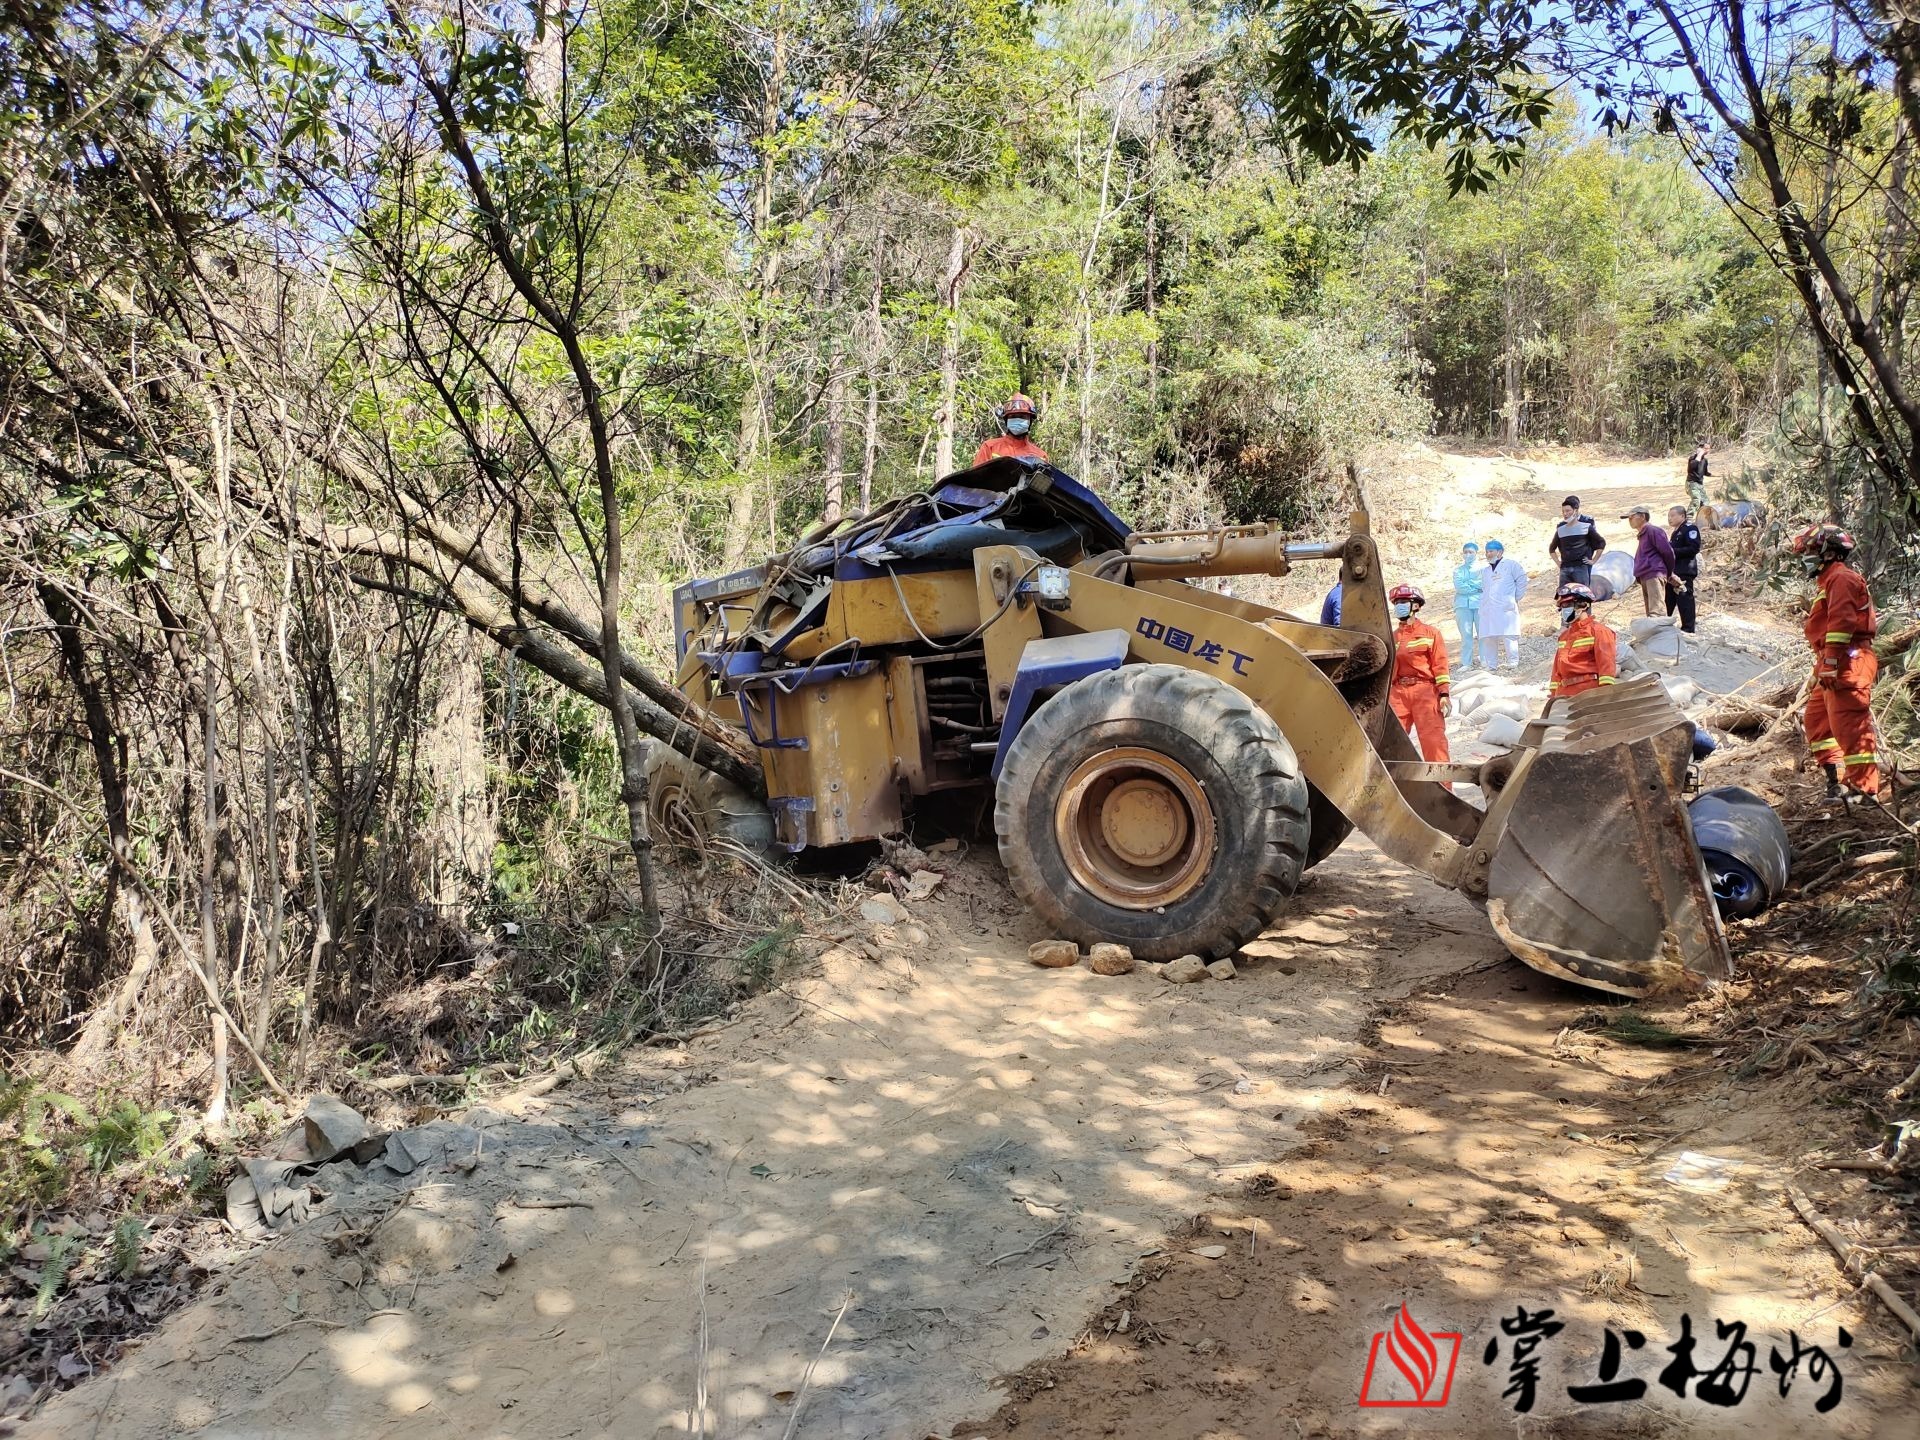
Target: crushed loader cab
column 1166, row 760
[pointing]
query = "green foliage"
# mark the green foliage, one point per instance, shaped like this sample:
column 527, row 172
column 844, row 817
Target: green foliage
column 760, row 964
column 1461, row 82
column 62, row 1250
column 123, row 1130
column 129, row 1235
column 57, row 1144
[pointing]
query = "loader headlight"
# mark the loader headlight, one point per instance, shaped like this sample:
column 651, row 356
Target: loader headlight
column 1053, row 587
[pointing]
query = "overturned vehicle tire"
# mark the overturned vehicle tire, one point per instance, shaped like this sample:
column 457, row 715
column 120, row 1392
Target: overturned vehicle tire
column 695, row 808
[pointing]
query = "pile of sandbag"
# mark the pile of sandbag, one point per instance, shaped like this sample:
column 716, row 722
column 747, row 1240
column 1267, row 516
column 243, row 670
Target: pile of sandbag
column 1656, row 639
column 1499, row 705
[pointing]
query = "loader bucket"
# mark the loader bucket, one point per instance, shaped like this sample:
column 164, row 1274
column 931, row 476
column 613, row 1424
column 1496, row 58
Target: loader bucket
column 1596, row 877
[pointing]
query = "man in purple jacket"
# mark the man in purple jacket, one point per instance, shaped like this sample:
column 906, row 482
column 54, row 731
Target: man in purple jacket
column 1653, row 561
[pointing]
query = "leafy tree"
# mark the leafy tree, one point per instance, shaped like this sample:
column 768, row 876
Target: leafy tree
column 1773, row 110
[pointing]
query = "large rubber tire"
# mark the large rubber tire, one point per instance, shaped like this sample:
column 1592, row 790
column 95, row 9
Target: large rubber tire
column 1246, row 772
column 692, row 807
column 1328, row 828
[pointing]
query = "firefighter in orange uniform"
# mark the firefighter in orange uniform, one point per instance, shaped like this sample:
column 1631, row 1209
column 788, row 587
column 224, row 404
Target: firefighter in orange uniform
column 1840, row 631
column 1589, row 653
column 1017, row 418
column 1422, row 688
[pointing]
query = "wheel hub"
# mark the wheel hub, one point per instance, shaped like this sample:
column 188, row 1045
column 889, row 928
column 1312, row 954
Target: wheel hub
column 678, row 817
column 1135, row 827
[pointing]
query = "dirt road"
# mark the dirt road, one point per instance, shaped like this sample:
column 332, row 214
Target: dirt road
column 977, row 1151
column 1494, row 1157
column 927, row 1176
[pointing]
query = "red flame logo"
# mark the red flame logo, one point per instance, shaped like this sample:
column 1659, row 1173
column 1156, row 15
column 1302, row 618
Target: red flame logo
column 1413, row 1352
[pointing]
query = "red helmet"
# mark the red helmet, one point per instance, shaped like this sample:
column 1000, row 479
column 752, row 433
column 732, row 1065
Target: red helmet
column 1823, row 539
column 1407, row 592
column 1018, row 404
column 1573, row 592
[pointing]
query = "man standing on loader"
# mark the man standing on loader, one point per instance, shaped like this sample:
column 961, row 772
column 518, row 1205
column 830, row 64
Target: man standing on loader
column 1017, row 418
column 1840, row 631
column 1422, row 687
column 1588, row 656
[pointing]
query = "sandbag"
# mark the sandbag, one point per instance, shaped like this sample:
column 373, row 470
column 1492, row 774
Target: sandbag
column 1616, row 567
column 1502, row 731
column 1683, row 690
column 1657, row 638
column 1512, row 707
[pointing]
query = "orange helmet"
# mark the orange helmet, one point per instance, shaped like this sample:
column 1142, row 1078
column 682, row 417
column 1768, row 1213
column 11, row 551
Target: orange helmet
column 1407, row 592
column 1818, row 539
column 1018, row 404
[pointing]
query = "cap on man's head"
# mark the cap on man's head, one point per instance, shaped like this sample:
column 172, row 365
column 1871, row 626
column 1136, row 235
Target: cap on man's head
column 1571, row 500
column 1495, row 545
column 1471, row 545
column 1637, row 510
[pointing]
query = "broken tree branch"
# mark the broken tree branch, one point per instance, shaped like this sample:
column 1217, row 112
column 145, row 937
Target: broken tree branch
column 1852, row 1260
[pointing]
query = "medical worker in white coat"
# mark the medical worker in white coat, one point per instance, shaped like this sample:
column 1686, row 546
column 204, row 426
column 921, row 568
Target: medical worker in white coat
column 1503, row 585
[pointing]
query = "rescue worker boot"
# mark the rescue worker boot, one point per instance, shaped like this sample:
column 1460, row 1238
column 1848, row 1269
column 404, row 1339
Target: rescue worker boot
column 1836, row 792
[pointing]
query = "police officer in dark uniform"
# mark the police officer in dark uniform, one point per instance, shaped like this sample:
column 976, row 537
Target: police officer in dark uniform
column 1576, row 543
column 1685, row 536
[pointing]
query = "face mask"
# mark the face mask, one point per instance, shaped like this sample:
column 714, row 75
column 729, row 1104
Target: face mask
column 1402, row 610
column 1813, row 564
column 1019, row 425
column 1566, row 615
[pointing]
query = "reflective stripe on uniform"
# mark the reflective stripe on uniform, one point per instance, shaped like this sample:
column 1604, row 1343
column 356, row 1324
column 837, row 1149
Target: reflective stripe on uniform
column 1839, row 637
column 1606, row 679
column 1866, row 759
column 1825, row 745
column 1585, row 642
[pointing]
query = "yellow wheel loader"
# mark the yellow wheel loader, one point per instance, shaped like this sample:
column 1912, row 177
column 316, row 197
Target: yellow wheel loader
column 1166, row 760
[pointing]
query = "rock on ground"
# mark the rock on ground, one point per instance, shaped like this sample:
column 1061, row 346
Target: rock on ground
column 1184, row 971
column 332, row 1127
column 1222, row 970
column 884, row 910
column 1110, row 959
column 1054, row 954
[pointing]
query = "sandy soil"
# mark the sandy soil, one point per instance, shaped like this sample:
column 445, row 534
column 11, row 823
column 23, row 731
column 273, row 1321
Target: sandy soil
column 977, row 1151
column 912, row 1176
column 1490, row 1157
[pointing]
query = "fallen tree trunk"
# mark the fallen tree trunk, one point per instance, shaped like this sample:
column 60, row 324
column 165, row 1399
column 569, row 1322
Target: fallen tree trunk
column 1893, row 646
column 462, row 590
column 1739, row 715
